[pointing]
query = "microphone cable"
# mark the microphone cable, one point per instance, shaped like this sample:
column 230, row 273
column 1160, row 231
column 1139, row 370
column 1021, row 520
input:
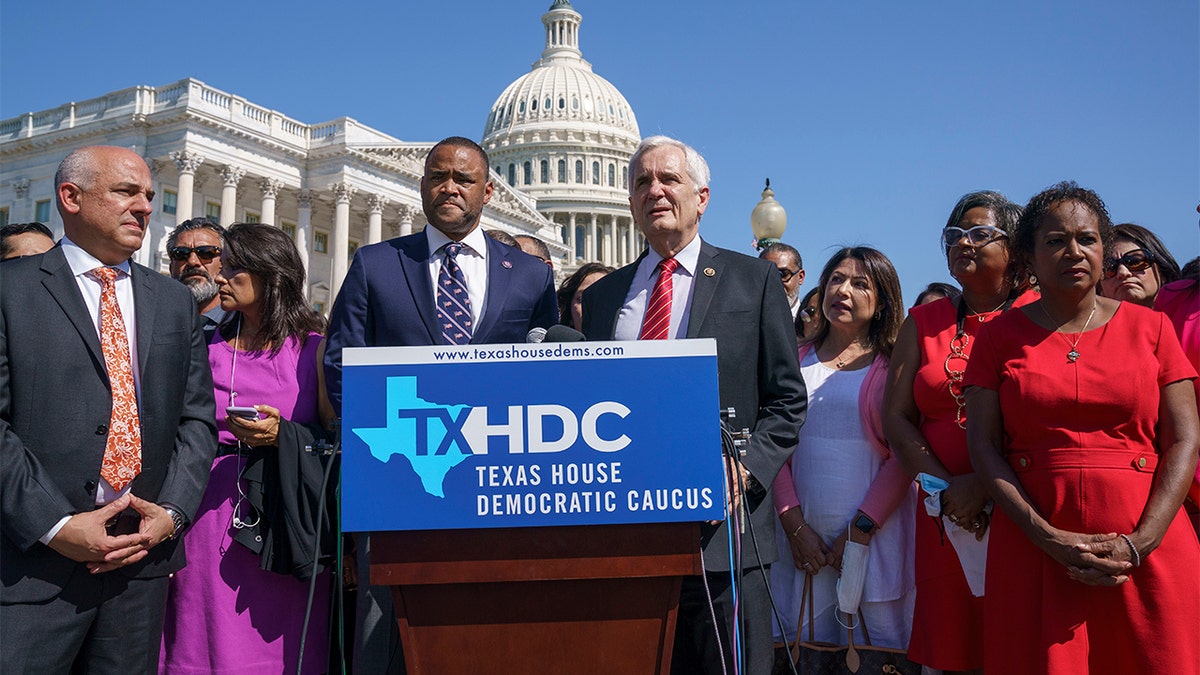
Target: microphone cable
column 332, row 452
column 727, row 441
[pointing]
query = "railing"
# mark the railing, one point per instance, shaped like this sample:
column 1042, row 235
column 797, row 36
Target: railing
column 188, row 93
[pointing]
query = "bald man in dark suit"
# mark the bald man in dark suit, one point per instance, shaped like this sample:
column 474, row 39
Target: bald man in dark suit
column 106, row 451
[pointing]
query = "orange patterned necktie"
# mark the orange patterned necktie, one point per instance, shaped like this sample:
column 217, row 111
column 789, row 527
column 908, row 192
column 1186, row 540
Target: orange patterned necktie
column 123, row 453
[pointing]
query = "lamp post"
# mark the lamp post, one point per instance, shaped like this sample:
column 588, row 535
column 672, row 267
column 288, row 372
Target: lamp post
column 768, row 219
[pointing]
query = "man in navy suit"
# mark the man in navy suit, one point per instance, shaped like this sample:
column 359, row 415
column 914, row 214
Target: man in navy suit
column 86, row 553
column 739, row 300
column 389, row 299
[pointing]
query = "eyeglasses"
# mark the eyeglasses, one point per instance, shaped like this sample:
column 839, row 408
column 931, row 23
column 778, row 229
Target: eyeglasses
column 1137, row 260
column 808, row 314
column 976, row 236
column 787, row 274
column 204, row 253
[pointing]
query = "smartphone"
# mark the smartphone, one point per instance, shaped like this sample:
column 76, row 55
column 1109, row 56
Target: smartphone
column 243, row 411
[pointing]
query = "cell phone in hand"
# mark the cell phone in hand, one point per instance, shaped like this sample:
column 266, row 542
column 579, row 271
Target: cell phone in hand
column 243, row 411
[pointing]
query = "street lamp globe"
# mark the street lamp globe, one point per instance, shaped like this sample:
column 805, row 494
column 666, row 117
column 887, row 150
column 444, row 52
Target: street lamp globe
column 768, row 219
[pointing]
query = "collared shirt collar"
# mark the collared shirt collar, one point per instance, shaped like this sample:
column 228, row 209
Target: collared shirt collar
column 688, row 259
column 475, row 242
column 82, row 262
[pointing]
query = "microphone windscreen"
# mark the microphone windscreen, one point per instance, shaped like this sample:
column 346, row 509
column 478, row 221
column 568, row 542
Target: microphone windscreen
column 561, row 333
column 535, row 336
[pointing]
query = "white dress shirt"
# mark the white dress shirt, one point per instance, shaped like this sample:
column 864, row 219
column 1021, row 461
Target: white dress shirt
column 81, row 262
column 472, row 260
column 629, row 319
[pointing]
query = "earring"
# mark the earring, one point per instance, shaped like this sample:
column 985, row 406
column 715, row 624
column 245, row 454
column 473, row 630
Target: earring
column 1033, row 280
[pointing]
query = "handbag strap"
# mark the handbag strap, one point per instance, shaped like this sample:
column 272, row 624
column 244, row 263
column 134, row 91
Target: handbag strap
column 806, row 600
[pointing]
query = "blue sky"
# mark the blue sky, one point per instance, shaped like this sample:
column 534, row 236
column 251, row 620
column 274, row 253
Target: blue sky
column 871, row 118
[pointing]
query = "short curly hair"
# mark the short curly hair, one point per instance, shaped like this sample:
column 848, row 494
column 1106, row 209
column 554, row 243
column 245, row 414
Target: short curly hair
column 1042, row 202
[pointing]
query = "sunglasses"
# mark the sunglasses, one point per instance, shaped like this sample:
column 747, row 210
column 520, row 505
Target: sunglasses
column 786, row 274
column 808, row 314
column 1136, row 260
column 204, row 253
column 976, row 236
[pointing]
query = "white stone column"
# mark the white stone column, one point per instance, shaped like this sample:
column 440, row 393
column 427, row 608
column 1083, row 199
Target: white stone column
column 610, row 242
column 21, row 188
column 303, row 227
column 407, row 213
column 270, row 188
column 571, row 238
column 589, row 247
column 631, row 236
column 375, row 220
column 230, row 177
column 340, row 246
column 187, row 163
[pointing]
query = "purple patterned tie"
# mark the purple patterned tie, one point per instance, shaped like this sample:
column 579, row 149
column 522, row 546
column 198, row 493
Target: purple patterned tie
column 453, row 302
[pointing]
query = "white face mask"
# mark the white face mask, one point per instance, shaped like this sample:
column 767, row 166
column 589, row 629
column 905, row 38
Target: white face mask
column 854, row 577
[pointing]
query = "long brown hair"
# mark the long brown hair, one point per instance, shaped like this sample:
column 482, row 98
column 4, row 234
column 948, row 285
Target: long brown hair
column 889, row 301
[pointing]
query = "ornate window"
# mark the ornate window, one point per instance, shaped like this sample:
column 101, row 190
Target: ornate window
column 595, row 173
column 545, row 171
column 170, row 201
column 562, row 170
column 562, row 103
column 527, row 173
column 579, row 171
column 289, row 229
column 521, row 107
column 41, row 211
column 574, row 103
column 612, row 175
column 212, row 211
column 252, row 217
column 320, row 242
column 512, row 174
column 546, row 104
column 625, row 177
column 533, row 105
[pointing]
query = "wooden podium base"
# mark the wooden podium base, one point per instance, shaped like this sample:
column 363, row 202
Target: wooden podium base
column 593, row 599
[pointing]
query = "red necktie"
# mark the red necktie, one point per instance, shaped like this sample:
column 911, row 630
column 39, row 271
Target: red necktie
column 657, row 323
column 123, row 452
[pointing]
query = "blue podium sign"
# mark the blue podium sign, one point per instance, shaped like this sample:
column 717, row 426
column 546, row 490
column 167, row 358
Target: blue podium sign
column 526, row 435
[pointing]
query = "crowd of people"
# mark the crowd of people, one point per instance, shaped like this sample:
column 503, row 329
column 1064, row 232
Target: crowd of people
column 1001, row 478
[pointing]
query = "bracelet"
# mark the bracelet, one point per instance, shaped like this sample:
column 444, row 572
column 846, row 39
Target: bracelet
column 1137, row 557
column 797, row 530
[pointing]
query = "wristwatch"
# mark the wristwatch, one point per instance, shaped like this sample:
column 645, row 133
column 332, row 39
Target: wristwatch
column 178, row 519
column 864, row 524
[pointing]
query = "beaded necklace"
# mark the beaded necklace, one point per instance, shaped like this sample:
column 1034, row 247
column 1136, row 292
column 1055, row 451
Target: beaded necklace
column 958, row 352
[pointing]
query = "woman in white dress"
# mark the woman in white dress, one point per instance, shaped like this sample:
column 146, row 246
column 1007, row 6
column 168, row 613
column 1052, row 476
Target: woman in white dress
column 842, row 481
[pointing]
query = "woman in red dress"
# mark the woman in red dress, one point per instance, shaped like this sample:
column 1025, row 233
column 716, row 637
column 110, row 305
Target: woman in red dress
column 1082, row 423
column 925, row 420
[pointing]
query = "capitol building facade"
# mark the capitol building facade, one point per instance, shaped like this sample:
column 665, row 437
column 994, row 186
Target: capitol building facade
column 560, row 138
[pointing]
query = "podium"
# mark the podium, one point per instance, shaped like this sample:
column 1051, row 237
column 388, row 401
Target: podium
column 529, row 505
column 573, row 599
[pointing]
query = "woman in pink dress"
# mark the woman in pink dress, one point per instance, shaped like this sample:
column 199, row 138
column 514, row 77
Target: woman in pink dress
column 240, row 604
column 1081, row 420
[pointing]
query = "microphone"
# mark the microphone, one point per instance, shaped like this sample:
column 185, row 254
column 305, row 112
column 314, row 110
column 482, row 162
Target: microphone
column 561, row 333
column 536, row 336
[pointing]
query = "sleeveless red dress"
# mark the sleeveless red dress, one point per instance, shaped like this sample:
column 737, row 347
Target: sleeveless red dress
column 948, row 621
column 1081, row 439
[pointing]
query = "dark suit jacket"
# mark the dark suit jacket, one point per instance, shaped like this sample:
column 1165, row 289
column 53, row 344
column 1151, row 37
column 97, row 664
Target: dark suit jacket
column 743, row 306
column 55, row 405
column 387, row 299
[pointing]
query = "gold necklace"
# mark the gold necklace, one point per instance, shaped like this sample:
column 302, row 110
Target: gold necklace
column 1072, row 355
column 980, row 315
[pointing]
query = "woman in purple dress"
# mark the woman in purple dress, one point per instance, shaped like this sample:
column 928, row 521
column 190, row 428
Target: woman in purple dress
column 240, row 604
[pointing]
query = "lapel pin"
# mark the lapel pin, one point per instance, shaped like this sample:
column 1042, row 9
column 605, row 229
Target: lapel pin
column 710, row 272
column 506, row 265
